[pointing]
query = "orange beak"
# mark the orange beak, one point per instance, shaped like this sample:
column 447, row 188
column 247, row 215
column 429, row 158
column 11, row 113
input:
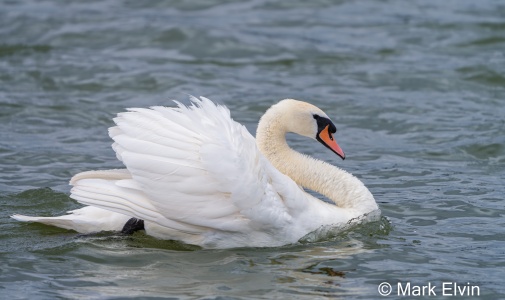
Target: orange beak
column 326, row 138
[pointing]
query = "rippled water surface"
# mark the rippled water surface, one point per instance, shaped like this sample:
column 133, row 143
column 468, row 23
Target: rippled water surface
column 416, row 89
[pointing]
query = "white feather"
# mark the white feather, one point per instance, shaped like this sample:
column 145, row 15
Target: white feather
column 85, row 220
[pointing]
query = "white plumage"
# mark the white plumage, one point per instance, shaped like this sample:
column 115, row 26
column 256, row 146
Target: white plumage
column 194, row 174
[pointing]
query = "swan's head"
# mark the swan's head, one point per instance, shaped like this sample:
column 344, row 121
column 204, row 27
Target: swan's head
column 306, row 119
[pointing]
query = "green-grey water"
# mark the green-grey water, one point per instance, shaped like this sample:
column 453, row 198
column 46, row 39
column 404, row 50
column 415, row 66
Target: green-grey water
column 416, row 89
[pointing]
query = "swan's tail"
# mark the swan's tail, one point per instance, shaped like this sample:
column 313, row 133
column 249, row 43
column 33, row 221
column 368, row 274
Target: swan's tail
column 62, row 221
column 84, row 220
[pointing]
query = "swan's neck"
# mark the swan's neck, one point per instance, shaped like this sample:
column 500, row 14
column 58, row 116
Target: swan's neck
column 345, row 190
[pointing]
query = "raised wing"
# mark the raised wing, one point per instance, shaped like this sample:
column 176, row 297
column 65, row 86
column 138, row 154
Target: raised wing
column 193, row 166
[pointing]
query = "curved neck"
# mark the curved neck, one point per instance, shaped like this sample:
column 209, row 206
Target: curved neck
column 345, row 190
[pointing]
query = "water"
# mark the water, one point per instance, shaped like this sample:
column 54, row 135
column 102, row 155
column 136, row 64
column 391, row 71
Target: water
column 416, row 89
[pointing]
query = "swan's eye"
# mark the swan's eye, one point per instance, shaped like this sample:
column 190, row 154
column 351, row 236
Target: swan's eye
column 323, row 122
column 332, row 128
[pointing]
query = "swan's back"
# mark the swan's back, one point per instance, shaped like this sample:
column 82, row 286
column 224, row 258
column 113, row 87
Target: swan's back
column 192, row 170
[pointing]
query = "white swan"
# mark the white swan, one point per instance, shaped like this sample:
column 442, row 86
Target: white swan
column 195, row 175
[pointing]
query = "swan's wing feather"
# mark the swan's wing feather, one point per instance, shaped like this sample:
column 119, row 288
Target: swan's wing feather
column 114, row 190
column 194, row 165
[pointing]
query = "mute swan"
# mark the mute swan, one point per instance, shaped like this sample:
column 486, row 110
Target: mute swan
column 195, row 175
